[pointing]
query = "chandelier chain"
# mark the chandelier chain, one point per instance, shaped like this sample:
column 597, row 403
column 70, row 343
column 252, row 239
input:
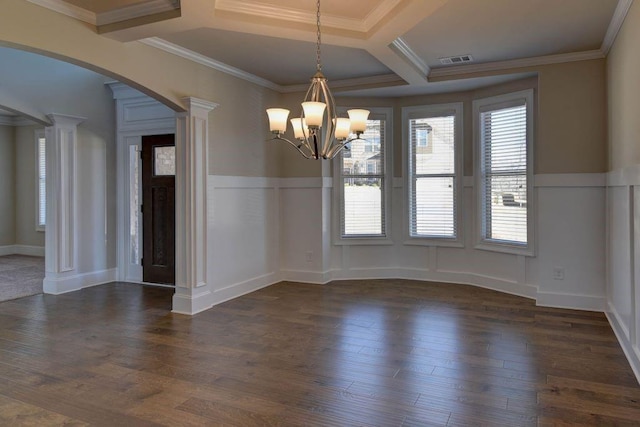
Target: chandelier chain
column 318, row 60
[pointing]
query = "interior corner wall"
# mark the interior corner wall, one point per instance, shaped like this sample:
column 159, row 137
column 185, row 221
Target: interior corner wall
column 623, row 187
column 7, row 187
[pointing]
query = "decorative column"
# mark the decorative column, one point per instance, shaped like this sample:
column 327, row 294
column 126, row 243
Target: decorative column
column 192, row 139
column 60, row 248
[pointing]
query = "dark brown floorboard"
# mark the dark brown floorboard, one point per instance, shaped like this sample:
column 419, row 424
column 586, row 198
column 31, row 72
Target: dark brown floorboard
column 377, row 352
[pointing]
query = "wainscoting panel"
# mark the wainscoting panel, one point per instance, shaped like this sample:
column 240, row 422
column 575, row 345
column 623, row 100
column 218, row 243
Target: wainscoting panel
column 623, row 260
column 243, row 235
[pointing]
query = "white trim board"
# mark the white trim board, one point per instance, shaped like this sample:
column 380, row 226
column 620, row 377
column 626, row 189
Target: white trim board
column 630, row 351
column 69, row 283
column 27, row 250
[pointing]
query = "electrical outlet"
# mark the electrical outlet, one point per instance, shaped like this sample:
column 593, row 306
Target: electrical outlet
column 309, row 256
column 558, row 273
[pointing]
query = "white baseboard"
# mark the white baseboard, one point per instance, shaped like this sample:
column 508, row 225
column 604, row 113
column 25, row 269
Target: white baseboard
column 22, row 250
column 7, row 250
column 632, row 352
column 29, row 250
column 496, row 284
column 193, row 301
column 574, row 302
column 64, row 283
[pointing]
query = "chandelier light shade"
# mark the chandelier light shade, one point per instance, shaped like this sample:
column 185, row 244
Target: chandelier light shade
column 319, row 133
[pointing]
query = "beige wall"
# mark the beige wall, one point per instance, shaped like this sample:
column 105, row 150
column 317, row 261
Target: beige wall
column 7, row 186
column 571, row 119
column 26, row 188
column 623, row 83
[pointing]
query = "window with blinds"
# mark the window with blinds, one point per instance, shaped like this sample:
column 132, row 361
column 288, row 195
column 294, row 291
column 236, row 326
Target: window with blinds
column 433, row 170
column 41, row 181
column 505, row 170
column 362, row 181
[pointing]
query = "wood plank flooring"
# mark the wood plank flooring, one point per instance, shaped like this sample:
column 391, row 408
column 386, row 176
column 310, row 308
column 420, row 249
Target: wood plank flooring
column 377, row 352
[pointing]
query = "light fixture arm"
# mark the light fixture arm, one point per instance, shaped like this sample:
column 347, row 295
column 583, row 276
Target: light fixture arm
column 319, row 130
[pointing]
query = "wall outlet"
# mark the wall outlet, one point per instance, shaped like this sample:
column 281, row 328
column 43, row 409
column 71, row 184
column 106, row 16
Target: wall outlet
column 309, row 256
column 558, row 273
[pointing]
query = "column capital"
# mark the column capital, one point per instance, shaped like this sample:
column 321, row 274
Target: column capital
column 191, row 103
column 65, row 119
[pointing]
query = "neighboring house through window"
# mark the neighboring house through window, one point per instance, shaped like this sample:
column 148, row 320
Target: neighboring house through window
column 433, row 143
column 362, row 185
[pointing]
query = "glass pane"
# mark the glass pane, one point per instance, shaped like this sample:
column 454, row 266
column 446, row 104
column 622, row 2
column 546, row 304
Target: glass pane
column 507, row 208
column 134, row 205
column 504, row 133
column 362, row 207
column 364, row 156
column 164, row 159
column 433, row 211
column 433, row 144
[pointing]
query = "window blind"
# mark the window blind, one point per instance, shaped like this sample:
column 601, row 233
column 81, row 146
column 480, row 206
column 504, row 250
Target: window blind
column 432, row 198
column 504, row 164
column 362, row 213
column 42, row 176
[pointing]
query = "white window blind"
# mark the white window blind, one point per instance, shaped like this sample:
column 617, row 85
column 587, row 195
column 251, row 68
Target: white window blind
column 41, row 213
column 432, row 175
column 362, row 167
column 503, row 133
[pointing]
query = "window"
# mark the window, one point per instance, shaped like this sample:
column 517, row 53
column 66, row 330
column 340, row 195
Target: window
column 503, row 127
column 362, row 184
column 433, row 138
column 41, row 179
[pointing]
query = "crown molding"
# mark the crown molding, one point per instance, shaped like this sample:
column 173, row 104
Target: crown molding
column 138, row 10
column 208, row 62
column 298, row 16
column 377, row 14
column 515, row 63
column 355, row 83
column 288, row 14
column 403, row 49
column 615, row 25
column 6, row 120
column 68, row 9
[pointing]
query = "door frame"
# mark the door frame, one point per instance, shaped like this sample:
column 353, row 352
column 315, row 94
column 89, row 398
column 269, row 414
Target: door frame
column 137, row 115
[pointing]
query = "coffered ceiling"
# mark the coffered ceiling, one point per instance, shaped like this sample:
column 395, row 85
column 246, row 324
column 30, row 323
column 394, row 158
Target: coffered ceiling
column 375, row 47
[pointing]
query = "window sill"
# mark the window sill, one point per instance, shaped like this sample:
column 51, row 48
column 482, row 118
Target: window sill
column 433, row 241
column 506, row 248
column 41, row 229
column 363, row 241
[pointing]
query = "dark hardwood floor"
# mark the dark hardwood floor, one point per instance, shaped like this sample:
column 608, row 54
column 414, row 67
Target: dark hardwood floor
column 382, row 352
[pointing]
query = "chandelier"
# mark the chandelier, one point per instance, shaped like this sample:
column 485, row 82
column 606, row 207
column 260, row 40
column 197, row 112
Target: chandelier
column 318, row 113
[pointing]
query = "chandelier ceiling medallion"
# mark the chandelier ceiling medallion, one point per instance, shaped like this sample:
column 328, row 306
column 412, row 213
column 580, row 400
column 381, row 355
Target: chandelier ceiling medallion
column 318, row 114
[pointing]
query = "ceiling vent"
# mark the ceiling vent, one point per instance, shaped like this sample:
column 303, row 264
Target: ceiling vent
column 456, row 59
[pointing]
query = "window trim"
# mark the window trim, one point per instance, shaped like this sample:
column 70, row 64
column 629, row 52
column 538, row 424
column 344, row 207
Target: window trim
column 433, row 110
column 38, row 134
column 377, row 113
column 494, row 103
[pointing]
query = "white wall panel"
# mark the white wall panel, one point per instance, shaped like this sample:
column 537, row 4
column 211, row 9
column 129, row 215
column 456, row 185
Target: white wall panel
column 242, row 233
column 619, row 267
column 301, row 229
column 571, row 235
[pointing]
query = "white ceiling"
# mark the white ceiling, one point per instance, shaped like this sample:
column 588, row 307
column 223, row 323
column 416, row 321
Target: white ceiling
column 391, row 47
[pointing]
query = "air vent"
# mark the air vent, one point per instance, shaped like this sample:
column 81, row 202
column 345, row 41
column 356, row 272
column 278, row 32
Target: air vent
column 456, row 59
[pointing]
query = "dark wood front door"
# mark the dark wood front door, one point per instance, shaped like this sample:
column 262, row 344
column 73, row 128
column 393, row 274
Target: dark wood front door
column 158, row 208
